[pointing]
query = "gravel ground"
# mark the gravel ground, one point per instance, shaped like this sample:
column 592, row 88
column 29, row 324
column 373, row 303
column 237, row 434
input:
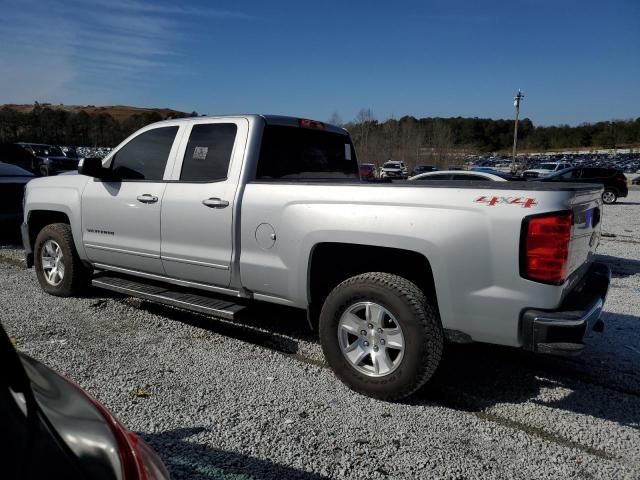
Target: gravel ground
column 253, row 399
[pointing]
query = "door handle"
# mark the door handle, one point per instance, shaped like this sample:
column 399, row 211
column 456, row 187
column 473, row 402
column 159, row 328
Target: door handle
column 147, row 198
column 215, row 203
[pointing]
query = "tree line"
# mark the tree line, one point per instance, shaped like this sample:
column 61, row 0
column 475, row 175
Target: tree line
column 433, row 140
column 61, row 127
column 445, row 141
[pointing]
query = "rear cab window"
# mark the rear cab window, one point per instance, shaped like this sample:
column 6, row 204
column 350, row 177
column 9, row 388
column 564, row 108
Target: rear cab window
column 299, row 153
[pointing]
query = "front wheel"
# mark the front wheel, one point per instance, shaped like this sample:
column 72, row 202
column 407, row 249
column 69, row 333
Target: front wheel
column 380, row 335
column 59, row 270
column 609, row 197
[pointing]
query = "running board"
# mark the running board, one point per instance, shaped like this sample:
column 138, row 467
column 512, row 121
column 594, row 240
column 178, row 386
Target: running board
column 173, row 296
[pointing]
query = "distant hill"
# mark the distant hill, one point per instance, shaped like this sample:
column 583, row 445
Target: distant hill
column 118, row 112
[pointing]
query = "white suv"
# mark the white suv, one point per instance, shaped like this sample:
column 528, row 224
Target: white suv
column 545, row 169
column 393, row 169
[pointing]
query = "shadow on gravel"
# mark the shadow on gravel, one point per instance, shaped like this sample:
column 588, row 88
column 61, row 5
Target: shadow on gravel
column 475, row 377
column 279, row 328
column 188, row 460
column 620, row 267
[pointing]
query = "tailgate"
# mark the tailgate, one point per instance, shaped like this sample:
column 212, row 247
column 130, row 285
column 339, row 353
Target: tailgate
column 587, row 213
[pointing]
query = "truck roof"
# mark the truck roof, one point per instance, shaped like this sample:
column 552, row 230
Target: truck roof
column 283, row 120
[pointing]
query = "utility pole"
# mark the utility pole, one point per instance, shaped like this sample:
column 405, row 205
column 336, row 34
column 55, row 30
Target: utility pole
column 516, row 103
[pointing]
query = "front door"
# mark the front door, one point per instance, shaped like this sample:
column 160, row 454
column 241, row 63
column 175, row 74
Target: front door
column 121, row 218
column 198, row 206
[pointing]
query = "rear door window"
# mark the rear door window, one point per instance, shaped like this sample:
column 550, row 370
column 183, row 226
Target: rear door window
column 305, row 154
column 596, row 173
column 570, row 175
column 144, row 157
column 208, row 152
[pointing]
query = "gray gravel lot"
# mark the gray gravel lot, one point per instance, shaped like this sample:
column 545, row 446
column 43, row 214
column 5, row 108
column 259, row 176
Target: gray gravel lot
column 254, row 399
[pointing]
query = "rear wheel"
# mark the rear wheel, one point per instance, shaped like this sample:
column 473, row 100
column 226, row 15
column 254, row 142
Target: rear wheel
column 380, row 335
column 59, row 270
column 609, row 196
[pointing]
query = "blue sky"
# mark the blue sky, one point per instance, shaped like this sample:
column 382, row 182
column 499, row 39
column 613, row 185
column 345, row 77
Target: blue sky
column 575, row 61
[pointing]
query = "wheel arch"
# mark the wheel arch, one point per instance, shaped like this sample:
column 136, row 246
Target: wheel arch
column 38, row 218
column 330, row 263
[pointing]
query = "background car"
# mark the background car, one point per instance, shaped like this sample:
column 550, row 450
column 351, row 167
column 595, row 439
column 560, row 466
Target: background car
column 545, row 169
column 636, row 181
column 613, row 180
column 16, row 155
column 423, row 169
column 367, row 171
column 71, row 152
column 12, row 182
column 51, row 428
column 458, row 175
column 50, row 159
column 493, row 171
column 394, row 170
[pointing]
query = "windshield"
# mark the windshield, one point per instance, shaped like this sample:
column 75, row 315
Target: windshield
column 47, row 151
column 392, row 165
column 548, row 166
column 565, row 174
column 70, row 153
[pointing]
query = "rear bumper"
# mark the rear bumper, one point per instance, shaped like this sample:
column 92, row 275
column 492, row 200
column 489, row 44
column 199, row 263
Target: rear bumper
column 561, row 331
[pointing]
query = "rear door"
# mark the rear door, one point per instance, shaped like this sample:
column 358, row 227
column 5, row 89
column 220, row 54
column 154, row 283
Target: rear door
column 121, row 218
column 197, row 209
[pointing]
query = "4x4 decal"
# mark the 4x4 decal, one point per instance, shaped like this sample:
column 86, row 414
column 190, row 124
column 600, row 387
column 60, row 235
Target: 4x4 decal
column 492, row 201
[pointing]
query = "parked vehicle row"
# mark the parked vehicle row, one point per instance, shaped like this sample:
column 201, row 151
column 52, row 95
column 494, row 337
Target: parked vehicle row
column 39, row 159
column 626, row 162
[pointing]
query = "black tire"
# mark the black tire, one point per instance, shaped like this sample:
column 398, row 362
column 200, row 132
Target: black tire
column 419, row 322
column 76, row 275
column 609, row 196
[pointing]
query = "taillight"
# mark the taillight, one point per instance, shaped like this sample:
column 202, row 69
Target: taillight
column 138, row 461
column 545, row 247
column 303, row 122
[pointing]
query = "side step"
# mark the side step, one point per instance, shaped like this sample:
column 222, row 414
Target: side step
column 168, row 295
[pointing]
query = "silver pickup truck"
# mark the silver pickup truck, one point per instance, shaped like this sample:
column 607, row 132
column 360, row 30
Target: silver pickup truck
column 209, row 214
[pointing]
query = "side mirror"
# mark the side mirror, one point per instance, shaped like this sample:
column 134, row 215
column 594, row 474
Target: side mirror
column 91, row 167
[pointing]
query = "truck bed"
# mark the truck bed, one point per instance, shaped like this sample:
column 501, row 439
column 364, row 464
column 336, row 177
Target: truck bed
column 467, row 184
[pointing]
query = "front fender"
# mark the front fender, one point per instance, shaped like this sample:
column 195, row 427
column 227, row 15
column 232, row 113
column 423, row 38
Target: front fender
column 60, row 195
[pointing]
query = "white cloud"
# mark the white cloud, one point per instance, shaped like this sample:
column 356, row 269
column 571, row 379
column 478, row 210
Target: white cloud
column 160, row 8
column 63, row 51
